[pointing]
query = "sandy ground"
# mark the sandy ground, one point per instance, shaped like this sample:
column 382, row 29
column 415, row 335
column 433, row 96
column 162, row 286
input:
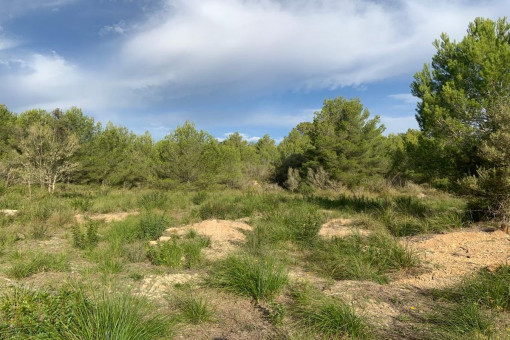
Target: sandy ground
column 225, row 235
column 449, row 257
column 110, row 217
column 341, row 227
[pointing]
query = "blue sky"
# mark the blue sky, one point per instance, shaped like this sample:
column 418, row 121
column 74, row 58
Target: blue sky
column 253, row 66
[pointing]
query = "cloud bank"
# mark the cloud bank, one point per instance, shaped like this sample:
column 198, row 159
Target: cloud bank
column 243, row 48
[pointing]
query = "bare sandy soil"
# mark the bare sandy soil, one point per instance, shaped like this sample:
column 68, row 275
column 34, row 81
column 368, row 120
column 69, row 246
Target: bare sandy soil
column 109, row 217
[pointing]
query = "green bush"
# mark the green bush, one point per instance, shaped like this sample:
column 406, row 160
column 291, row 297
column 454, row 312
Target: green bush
column 152, row 226
column 255, row 277
column 87, row 240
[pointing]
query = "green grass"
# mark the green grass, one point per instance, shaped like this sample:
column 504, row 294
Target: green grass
column 153, row 225
column 326, row 316
column 33, row 263
column 195, row 310
column 255, row 277
column 153, row 200
column 486, row 288
column 358, row 257
column 179, row 252
column 461, row 321
column 70, row 315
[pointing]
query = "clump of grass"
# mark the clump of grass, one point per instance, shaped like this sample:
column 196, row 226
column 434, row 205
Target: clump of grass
column 33, row 263
column 199, row 197
column 153, row 200
column 486, row 288
column 461, row 321
column 195, row 310
column 69, row 314
column 358, row 257
column 255, row 277
column 40, row 231
column 88, row 239
column 329, row 317
column 135, row 252
column 82, row 204
column 298, row 222
column 152, row 226
column 177, row 253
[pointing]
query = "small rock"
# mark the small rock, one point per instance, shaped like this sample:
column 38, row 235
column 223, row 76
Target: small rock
column 421, row 195
column 165, row 238
column 153, row 243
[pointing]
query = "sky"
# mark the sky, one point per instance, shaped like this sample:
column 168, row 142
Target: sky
column 252, row 66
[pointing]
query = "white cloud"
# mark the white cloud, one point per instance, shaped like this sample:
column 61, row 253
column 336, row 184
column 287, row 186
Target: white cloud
column 241, row 48
column 398, row 124
column 406, row 98
column 118, row 28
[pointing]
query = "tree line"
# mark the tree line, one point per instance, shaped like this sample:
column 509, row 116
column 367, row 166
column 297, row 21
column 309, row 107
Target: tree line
column 462, row 145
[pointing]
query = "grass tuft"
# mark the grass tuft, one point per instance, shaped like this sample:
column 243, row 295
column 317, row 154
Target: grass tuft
column 255, row 277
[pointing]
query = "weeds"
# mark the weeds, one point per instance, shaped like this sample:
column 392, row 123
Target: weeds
column 153, row 200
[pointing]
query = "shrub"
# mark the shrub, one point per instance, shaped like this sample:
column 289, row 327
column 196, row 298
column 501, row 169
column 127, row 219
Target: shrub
column 152, row 226
column 255, row 277
column 200, row 197
column 87, row 240
column 83, row 204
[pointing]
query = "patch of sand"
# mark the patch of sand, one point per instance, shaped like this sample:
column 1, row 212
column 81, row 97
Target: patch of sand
column 156, row 285
column 109, row 217
column 9, row 212
column 225, row 235
column 449, row 257
column 340, row 227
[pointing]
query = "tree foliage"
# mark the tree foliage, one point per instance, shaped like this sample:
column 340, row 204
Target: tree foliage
column 463, row 81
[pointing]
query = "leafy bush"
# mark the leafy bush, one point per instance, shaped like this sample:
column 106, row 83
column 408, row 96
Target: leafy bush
column 255, row 277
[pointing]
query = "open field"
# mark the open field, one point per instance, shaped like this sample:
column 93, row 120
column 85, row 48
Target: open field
column 261, row 263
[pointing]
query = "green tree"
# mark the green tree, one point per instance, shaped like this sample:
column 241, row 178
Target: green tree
column 347, row 144
column 465, row 79
column 187, row 155
column 293, row 152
